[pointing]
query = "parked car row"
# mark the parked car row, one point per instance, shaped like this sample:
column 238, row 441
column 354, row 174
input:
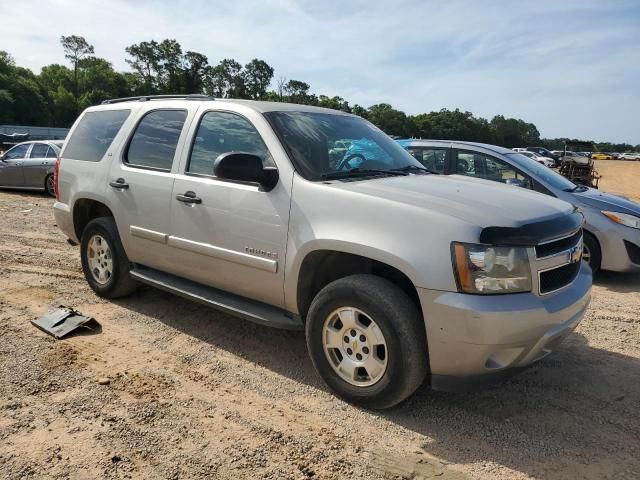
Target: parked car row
column 579, row 157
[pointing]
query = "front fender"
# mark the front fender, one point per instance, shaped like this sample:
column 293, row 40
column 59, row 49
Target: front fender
column 295, row 260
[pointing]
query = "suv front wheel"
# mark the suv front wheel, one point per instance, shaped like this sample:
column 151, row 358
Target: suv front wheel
column 104, row 261
column 367, row 341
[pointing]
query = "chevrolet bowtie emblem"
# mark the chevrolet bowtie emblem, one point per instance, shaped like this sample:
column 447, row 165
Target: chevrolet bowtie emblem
column 575, row 255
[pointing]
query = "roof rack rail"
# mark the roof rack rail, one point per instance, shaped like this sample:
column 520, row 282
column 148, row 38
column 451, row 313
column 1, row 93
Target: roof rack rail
column 145, row 98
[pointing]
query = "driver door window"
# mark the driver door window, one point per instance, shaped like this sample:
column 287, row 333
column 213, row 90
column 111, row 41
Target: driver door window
column 222, row 132
column 474, row 164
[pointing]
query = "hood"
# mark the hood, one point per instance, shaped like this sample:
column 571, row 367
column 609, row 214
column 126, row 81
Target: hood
column 607, row 201
column 475, row 201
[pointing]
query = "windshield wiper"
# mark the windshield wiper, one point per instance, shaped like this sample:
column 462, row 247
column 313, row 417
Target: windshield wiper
column 414, row 168
column 359, row 172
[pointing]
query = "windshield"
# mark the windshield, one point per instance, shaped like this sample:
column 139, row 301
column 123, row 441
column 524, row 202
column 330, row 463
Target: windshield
column 323, row 144
column 540, row 172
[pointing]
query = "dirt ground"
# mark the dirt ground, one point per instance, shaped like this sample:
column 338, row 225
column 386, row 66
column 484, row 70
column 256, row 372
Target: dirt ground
column 619, row 176
column 194, row 393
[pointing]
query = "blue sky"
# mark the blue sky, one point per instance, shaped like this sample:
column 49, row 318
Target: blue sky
column 570, row 67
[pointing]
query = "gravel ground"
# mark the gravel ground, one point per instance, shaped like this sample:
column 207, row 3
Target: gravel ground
column 193, row 393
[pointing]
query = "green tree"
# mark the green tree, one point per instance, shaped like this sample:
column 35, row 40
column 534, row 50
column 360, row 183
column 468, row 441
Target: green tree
column 145, row 62
column 452, row 125
column 21, row 97
column 512, row 132
column 195, row 70
column 296, row 91
column 225, row 80
column 75, row 50
column 389, row 120
column 336, row 103
column 170, row 63
column 257, row 76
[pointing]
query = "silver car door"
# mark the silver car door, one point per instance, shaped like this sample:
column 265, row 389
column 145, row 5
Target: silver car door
column 35, row 166
column 11, row 166
column 233, row 235
column 141, row 181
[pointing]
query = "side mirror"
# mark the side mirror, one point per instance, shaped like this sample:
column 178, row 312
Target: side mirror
column 515, row 182
column 245, row 167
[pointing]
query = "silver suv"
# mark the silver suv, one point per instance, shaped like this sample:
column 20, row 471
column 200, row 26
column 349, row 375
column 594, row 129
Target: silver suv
column 394, row 273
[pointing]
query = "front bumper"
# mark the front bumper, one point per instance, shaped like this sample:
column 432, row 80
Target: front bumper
column 615, row 256
column 476, row 339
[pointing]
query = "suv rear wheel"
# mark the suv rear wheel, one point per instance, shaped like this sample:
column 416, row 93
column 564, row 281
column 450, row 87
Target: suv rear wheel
column 104, row 262
column 367, row 341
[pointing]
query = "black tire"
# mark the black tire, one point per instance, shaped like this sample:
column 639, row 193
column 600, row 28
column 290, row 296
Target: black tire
column 48, row 185
column 119, row 283
column 592, row 244
column 401, row 324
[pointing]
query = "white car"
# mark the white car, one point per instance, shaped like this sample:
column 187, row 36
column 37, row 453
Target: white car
column 630, row 156
column 546, row 161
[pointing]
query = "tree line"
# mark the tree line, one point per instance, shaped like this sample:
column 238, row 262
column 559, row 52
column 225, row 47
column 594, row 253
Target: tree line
column 56, row 95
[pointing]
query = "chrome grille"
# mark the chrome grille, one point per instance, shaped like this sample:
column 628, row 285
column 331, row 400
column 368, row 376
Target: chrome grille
column 557, row 263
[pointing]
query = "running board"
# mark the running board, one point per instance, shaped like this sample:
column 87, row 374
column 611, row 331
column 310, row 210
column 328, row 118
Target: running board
column 230, row 303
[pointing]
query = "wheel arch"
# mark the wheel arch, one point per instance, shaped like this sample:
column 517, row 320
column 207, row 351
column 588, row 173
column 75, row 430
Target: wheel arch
column 86, row 209
column 321, row 266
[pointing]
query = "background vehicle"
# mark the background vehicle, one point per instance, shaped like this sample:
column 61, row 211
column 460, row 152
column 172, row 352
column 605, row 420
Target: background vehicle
column 30, row 165
column 237, row 204
column 545, row 153
column 601, row 156
column 630, row 156
column 612, row 229
column 546, row 161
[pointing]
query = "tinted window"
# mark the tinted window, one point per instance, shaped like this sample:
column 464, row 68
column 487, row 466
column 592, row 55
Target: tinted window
column 474, row 164
column 39, row 150
column 154, row 142
column 222, row 132
column 51, row 153
column 431, row 158
column 94, row 134
column 17, row 152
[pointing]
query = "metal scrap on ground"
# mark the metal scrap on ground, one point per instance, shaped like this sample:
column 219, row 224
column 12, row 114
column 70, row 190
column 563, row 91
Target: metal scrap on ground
column 62, row 321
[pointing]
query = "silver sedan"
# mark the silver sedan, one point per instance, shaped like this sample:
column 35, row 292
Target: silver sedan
column 29, row 165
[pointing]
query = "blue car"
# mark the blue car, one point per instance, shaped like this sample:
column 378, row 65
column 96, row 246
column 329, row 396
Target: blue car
column 612, row 229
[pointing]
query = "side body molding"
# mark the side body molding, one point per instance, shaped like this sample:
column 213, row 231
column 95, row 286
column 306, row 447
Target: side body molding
column 266, row 264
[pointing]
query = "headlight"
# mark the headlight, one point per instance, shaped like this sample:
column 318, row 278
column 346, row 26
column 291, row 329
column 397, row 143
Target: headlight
column 485, row 269
column 623, row 219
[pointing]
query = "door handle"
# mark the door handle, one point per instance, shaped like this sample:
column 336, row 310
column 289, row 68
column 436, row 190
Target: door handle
column 119, row 184
column 188, row 197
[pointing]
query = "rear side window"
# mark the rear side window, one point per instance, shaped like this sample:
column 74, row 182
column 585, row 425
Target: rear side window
column 432, row 158
column 39, row 150
column 94, row 134
column 222, row 132
column 51, row 153
column 154, row 142
column 475, row 164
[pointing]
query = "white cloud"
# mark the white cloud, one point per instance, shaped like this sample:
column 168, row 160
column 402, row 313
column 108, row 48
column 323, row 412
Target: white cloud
column 570, row 67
